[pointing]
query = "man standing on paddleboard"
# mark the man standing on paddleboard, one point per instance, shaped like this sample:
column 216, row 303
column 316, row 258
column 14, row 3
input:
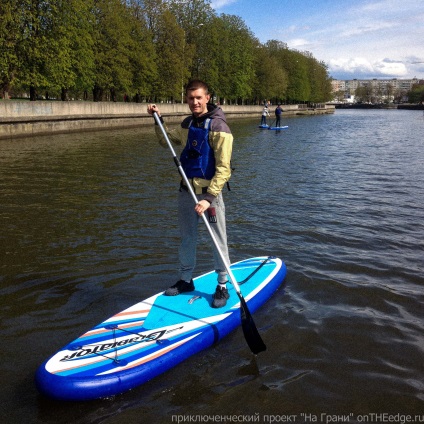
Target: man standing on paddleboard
column 278, row 112
column 206, row 161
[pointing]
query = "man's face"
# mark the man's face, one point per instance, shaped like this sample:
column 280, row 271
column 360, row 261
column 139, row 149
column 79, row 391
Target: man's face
column 197, row 101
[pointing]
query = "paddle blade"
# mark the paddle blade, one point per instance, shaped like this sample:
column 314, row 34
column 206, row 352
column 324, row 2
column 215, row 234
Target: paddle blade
column 250, row 331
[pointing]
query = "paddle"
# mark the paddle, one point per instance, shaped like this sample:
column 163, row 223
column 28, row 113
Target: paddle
column 250, row 331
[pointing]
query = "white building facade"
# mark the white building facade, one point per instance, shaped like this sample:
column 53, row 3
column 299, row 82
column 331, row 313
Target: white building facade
column 380, row 90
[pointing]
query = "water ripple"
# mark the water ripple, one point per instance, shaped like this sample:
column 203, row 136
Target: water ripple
column 89, row 226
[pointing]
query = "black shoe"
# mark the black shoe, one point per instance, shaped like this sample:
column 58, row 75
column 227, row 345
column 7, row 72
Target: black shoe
column 180, row 287
column 220, row 297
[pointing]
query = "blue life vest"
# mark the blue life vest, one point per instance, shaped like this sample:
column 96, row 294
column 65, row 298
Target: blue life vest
column 197, row 158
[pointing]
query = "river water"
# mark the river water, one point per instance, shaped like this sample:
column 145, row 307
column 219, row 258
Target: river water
column 88, row 227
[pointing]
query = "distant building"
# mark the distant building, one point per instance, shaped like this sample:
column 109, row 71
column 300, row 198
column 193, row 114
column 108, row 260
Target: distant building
column 379, row 89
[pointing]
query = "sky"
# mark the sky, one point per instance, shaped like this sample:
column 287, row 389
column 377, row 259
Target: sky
column 360, row 39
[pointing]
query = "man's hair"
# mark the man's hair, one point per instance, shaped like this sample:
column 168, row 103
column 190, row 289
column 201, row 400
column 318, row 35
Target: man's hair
column 195, row 85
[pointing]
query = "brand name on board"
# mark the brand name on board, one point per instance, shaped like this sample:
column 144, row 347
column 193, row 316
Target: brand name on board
column 104, row 347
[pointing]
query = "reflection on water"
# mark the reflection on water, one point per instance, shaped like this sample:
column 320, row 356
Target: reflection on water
column 89, row 227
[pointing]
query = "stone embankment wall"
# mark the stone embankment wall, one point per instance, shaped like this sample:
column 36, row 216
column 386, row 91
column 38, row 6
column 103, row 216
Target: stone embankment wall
column 25, row 118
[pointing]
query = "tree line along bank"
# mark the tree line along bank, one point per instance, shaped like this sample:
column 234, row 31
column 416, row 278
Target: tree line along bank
column 147, row 50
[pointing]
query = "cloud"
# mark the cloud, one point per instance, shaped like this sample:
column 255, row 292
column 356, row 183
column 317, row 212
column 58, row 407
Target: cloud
column 390, row 67
column 362, row 68
column 366, row 29
column 351, row 65
column 217, row 4
column 298, row 43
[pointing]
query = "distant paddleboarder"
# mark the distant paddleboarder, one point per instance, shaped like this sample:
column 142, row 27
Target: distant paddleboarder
column 278, row 113
column 265, row 113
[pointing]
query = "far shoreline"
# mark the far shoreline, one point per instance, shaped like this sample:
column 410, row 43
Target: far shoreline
column 403, row 106
column 25, row 119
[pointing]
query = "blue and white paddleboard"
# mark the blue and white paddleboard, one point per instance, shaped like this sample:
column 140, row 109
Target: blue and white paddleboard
column 278, row 128
column 154, row 335
column 263, row 126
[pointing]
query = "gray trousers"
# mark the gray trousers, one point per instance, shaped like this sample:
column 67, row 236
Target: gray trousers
column 188, row 223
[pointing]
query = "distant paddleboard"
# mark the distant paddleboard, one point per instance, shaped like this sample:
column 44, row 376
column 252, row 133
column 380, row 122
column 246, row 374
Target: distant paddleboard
column 278, row 128
column 154, row 335
column 263, row 126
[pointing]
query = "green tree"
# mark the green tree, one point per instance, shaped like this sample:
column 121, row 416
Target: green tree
column 151, row 11
column 416, row 94
column 319, row 81
column 195, row 18
column 70, row 63
column 298, row 89
column 364, row 93
column 389, row 92
column 236, row 58
column 9, row 39
column 192, row 16
column 174, row 58
column 112, row 49
column 142, row 56
column 33, row 46
column 271, row 78
column 339, row 95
